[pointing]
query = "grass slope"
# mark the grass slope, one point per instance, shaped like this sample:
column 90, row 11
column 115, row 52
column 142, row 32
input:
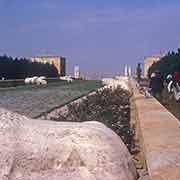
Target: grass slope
column 33, row 100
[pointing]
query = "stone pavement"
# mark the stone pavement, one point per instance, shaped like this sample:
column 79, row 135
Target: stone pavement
column 160, row 137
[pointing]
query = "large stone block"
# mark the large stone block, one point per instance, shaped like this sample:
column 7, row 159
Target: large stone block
column 45, row 150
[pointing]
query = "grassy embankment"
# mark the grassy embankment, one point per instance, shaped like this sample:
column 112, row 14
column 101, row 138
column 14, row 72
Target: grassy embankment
column 32, row 100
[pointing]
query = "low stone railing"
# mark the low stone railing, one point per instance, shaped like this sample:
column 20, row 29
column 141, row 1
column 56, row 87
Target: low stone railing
column 159, row 133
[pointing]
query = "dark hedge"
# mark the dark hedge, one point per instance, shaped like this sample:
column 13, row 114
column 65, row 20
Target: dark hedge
column 107, row 106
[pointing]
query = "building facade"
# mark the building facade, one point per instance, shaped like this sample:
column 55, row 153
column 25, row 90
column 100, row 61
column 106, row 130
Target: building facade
column 58, row 62
column 148, row 61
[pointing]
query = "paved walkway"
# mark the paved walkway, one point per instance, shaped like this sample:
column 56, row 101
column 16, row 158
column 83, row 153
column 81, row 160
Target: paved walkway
column 161, row 138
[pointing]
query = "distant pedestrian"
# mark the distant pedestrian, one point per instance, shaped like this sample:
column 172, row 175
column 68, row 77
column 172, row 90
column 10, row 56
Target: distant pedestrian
column 156, row 85
column 168, row 78
column 147, row 93
column 176, row 85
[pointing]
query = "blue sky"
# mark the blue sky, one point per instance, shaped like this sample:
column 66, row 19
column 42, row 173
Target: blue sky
column 99, row 35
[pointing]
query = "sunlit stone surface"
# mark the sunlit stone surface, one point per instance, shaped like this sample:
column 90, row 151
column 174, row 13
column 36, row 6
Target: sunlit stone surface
column 45, row 150
column 160, row 133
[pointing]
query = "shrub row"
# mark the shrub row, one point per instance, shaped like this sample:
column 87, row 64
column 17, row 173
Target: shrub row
column 107, row 106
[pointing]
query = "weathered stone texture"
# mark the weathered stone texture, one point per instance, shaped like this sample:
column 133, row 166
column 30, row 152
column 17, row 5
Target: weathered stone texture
column 45, row 150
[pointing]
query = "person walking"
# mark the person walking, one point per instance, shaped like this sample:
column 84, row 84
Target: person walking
column 156, row 85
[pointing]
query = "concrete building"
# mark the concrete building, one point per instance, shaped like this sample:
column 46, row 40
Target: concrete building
column 148, row 61
column 57, row 61
column 77, row 72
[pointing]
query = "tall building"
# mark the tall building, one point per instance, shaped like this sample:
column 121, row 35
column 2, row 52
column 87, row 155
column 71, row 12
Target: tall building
column 148, row 61
column 77, row 72
column 57, row 61
column 129, row 71
column 126, row 70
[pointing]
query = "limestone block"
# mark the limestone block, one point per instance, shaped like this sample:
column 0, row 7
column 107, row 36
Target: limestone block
column 46, row 150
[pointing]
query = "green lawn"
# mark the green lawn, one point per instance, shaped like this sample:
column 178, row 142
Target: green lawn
column 33, row 100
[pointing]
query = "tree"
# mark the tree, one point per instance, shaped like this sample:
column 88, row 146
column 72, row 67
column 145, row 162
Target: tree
column 168, row 64
column 14, row 68
column 138, row 72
